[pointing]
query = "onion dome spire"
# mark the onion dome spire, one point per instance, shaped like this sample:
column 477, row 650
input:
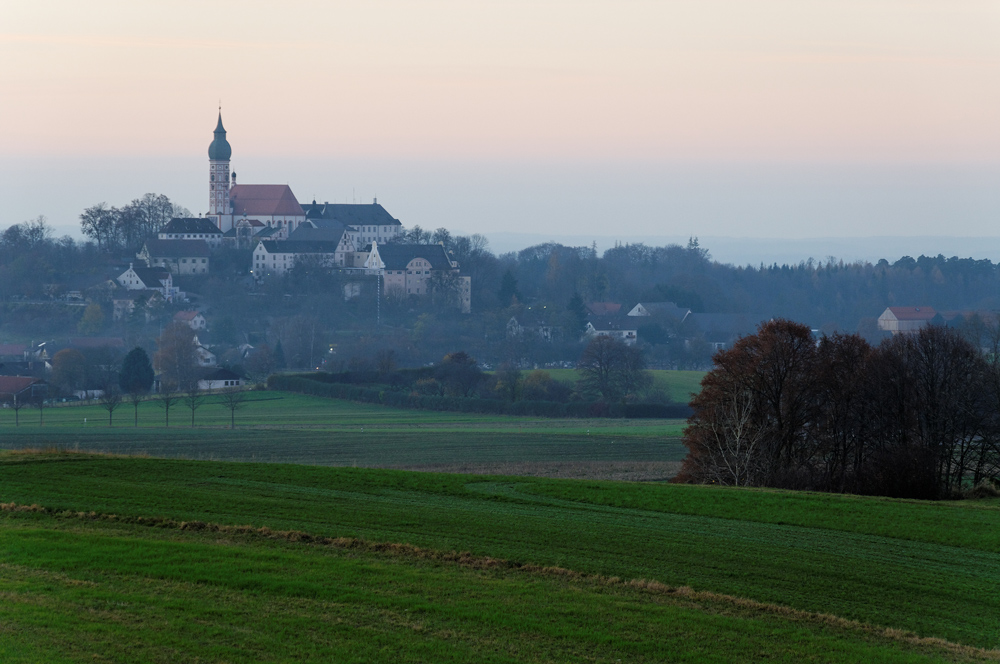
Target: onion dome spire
column 220, row 150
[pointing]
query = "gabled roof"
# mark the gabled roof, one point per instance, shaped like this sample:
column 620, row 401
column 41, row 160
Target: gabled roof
column 191, row 225
column 289, row 247
column 135, row 295
column 264, row 200
column 17, row 384
column 177, row 248
column 257, row 229
column 611, row 322
column 186, row 316
column 604, row 308
column 151, row 276
column 398, row 256
column 351, row 214
column 663, row 309
column 911, row 313
column 318, row 230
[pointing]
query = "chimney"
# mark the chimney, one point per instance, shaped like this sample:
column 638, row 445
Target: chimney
column 375, row 201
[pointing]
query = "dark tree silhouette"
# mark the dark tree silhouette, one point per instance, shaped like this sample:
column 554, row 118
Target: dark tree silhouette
column 135, row 379
column 612, row 369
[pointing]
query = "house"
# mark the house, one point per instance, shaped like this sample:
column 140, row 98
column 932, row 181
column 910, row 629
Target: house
column 203, row 355
column 149, row 278
column 618, row 327
column 13, row 351
column 193, row 319
column 191, row 228
column 905, row 320
column 661, row 310
column 365, row 223
column 272, row 257
column 181, row 257
column 22, row 389
column 219, row 379
column 418, row 269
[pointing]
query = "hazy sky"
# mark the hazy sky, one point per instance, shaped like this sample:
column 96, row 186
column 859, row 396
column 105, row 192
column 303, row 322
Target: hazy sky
column 768, row 118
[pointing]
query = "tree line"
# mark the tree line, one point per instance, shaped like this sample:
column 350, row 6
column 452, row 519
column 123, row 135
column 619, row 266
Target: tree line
column 117, row 230
column 916, row 416
column 547, row 284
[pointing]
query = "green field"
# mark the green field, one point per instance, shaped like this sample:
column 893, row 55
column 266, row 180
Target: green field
column 117, row 563
column 680, row 385
column 292, row 428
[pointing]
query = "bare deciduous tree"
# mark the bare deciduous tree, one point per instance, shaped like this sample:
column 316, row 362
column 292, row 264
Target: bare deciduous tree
column 233, row 399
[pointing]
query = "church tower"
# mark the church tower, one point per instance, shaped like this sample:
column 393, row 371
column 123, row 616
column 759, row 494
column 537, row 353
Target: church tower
column 219, row 153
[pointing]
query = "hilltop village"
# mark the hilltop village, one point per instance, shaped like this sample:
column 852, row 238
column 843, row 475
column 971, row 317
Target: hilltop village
column 263, row 281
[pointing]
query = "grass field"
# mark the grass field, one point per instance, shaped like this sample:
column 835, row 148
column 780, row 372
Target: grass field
column 103, row 569
column 680, row 385
column 292, row 428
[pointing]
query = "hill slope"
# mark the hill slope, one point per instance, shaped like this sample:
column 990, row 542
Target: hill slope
column 774, row 575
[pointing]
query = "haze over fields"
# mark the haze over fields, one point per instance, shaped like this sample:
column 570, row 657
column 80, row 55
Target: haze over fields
column 597, row 120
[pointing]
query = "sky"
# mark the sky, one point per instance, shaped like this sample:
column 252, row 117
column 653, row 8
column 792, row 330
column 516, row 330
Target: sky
column 786, row 119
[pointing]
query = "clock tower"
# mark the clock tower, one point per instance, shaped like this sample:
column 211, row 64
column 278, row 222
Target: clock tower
column 219, row 153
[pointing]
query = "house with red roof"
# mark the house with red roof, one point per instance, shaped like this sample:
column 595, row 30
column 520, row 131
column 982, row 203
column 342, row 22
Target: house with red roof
column 22, row 388
column 13, row 351
column 192, row 319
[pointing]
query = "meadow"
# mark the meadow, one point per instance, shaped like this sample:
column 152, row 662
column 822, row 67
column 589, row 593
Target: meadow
column 680, row 385
column 293, row 428
column 134, row 559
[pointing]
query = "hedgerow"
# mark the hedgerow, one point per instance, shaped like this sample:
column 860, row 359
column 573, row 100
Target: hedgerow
column 320, row 384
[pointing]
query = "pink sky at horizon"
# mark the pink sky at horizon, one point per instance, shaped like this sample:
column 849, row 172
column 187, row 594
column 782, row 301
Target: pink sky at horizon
column 716, row 80
column 771, row 118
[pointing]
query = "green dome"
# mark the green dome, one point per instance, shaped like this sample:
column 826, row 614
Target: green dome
column 220, row 150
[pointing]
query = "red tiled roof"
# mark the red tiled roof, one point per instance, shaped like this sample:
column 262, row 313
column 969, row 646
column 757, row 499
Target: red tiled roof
column 264, row 200
column 185, row 315
column 12, row 349
column 913, row 313
column 16, row 384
